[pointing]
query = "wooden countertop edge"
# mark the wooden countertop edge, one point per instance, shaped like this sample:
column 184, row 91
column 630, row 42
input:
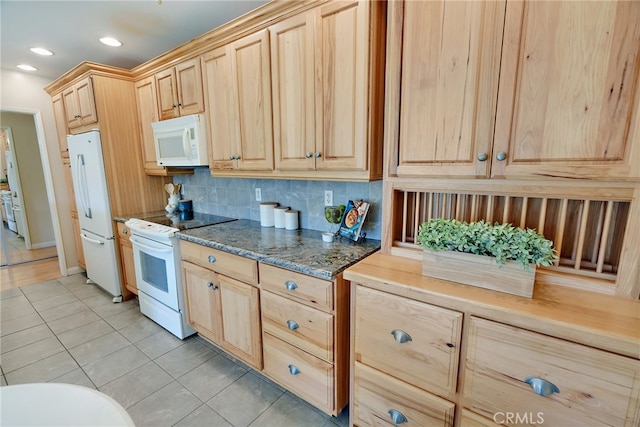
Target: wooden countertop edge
column 597, row 320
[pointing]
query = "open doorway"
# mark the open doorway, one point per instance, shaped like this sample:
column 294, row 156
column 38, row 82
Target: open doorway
column 27, row 230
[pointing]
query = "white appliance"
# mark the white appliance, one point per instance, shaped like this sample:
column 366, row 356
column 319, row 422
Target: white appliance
column 156, row 257
column 16, row 200
column 94, row 211
column 181, row 141
column 8, row 209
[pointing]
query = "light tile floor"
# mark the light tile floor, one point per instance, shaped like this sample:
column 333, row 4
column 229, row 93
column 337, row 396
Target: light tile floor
column 66, row 331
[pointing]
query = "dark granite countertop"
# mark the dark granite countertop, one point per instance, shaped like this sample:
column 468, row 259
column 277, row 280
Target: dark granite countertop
column 298, row 250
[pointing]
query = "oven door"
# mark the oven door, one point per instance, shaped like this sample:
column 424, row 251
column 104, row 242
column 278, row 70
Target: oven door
column 156, row 272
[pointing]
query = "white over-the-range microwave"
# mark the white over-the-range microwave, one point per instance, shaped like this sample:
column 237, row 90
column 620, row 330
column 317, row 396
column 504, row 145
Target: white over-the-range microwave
column 181, row 141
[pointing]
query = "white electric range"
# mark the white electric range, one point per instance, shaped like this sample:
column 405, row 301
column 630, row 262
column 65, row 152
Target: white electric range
column 156, row 255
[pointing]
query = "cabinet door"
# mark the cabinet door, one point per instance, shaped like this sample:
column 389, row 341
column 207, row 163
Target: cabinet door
column 189, row 87
column 61, row 125
column 449, row 62
column 252, row 82
column 203, row 303
column 222, row 114
column 86, row 101
column 241, row 334
column 75, row 222
column 71, row 107
column 167, row 96
column 569, row 97
column 342, row 69
column 147, row 114
column 68, row 180
column 128, row 268
column 292, row 70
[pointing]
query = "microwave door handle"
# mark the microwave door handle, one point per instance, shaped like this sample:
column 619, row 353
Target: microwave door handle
column 186, row 142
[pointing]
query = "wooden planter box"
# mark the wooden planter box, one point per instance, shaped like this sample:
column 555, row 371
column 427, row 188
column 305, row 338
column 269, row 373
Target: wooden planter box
column 480, row 271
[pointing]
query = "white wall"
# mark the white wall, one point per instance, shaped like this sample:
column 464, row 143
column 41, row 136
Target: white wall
column 34, row 193
column 20, row 92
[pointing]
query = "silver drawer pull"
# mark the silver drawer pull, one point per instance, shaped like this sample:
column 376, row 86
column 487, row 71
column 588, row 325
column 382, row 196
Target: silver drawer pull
column 401, row 336
column 211, row 259
column 397, row 417
column 541, row 386
column 294, row 370
column 291, row 285
column 291, row 324
column 212, row 286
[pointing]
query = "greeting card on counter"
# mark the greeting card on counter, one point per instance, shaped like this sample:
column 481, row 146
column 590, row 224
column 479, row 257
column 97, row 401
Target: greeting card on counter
column 353, row 220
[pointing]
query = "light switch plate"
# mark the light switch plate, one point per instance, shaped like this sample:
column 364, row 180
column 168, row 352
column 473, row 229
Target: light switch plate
column 258, row 195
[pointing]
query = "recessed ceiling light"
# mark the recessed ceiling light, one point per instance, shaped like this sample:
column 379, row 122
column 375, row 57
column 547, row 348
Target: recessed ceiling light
column 26, row 67
column 110, row 41
column 41, row 51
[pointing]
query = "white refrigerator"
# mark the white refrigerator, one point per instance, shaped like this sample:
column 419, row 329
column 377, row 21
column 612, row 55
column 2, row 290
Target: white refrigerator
column 94, row 211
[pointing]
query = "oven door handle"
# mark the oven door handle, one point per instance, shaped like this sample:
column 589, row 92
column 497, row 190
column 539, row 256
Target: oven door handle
column 137, row 242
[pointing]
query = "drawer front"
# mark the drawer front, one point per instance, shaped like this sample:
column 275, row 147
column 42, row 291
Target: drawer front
column 383, row 400
column 299, row 325
column 123, row 231
column 594, row 387
column 235, row 266
column 303, row 288
column 307, row 376
column 471, row 419
column 428, row 359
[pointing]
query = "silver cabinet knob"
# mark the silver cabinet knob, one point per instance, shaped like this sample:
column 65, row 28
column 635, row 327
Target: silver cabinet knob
column 308, row 155
column 318, row 154
column 397, row 417
column 211, row 259
column 401, row 336
column 501, row 156
column 482, row 157
column 231, row 157
column 125, row 231
column 238, row 157
column 541, row 386
column 292, row 325
column 291, row 285
column 212, row 286
column 294, row 370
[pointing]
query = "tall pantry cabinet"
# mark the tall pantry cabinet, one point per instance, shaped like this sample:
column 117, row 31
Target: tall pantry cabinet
column 113, row 96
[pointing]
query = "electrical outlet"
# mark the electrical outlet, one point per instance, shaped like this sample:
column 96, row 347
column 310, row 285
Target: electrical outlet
column 258, row 195
column 328, row 198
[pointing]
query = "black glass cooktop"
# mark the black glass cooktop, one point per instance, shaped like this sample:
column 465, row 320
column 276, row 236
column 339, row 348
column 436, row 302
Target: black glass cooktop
column 186, row 220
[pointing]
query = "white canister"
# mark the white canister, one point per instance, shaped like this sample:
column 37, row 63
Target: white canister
column 291, row 220
column 278, row 216
column 266, row 213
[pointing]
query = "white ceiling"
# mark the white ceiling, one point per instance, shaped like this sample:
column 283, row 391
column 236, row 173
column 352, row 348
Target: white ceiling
column 71, row 30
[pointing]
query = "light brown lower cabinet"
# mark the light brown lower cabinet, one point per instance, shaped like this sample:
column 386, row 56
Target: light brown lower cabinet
column 408, row 335
column 225, row 311
column 126, row 258
column 75, row 222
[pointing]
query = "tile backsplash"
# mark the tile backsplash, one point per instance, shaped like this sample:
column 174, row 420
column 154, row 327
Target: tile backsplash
column 235, row 197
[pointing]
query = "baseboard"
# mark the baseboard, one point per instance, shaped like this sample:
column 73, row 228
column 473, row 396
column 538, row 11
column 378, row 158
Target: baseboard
column 74, row 270
column 43, row 245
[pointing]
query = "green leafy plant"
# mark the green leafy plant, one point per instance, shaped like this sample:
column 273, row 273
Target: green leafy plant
column 501, row 241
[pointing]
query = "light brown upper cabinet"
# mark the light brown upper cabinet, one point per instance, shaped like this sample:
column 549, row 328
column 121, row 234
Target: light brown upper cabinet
column 327, row 82
column 179, row 90
column 238, row 102
column 61, row 124
column 560, row 79
column 79, row 104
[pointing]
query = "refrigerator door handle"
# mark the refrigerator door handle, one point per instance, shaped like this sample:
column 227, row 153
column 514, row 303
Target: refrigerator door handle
column 85, row 237
column 81, row 173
